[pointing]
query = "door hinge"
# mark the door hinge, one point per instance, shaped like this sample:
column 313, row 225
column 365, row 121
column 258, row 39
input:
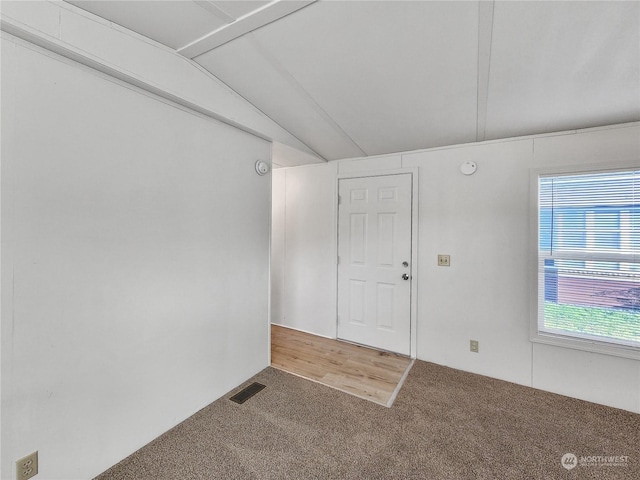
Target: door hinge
column 338, row 259
column 339, row 199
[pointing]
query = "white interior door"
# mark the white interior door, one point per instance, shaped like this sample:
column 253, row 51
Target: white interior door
column 374, row 261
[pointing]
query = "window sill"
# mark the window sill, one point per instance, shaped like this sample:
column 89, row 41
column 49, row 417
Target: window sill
column 592, row 346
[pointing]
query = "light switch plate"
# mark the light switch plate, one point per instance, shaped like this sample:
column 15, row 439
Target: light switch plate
column 444, row 260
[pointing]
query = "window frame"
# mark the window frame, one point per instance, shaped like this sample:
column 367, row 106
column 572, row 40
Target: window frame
column 557, row 339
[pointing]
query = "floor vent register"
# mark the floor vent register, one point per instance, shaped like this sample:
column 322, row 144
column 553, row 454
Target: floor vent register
column 246, row 393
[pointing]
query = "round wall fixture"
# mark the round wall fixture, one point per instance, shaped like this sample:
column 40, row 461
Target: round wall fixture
column 262, row 168
column 468, row 168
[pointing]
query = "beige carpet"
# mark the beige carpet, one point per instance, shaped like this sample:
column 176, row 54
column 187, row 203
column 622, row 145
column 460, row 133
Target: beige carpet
column 444, row 424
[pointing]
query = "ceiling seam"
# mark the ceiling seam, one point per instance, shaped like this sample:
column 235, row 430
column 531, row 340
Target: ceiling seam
column 272, row 12
column 485, row 40
column 306, row 96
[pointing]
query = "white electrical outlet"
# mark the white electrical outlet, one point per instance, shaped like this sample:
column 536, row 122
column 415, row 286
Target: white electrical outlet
column 27, row 467
column 473, row 346
column 444, row 260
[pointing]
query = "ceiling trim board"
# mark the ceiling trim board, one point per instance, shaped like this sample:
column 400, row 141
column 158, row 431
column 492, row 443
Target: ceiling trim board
column 304, row 94
column 243, row 25
column 214, row 10
column 485, row 36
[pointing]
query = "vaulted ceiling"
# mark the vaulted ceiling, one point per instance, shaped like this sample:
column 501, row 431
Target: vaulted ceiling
column 359, row 78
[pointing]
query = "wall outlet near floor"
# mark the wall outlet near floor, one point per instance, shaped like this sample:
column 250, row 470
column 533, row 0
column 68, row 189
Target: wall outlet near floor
column 473, row 346
column 444, row 260
column 27, row 467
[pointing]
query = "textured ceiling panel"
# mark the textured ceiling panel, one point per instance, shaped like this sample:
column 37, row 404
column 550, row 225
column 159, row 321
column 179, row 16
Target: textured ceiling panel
column 393, row 75
column 563, row 65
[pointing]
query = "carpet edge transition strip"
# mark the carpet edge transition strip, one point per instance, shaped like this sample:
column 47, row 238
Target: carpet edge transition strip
column 400, row 383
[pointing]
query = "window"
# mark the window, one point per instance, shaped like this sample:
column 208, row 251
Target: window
column 588, row 242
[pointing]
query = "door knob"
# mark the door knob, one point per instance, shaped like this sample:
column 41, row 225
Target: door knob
column 405, row 276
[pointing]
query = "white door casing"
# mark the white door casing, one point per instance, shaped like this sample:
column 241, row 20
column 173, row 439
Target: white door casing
column 374, row 241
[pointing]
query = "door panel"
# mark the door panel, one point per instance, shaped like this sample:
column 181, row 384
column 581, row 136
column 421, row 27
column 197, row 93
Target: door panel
column 374, row 239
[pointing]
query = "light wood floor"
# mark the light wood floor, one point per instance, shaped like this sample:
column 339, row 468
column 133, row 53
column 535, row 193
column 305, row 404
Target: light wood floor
column 360, row 371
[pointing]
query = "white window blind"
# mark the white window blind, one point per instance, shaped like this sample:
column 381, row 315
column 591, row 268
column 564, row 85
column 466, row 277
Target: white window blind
column 589, row 256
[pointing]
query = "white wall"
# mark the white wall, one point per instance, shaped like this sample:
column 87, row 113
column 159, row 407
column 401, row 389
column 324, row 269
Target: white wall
column 278, row 216
column 482, row 221
column 135, row 249
column 304, row 239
